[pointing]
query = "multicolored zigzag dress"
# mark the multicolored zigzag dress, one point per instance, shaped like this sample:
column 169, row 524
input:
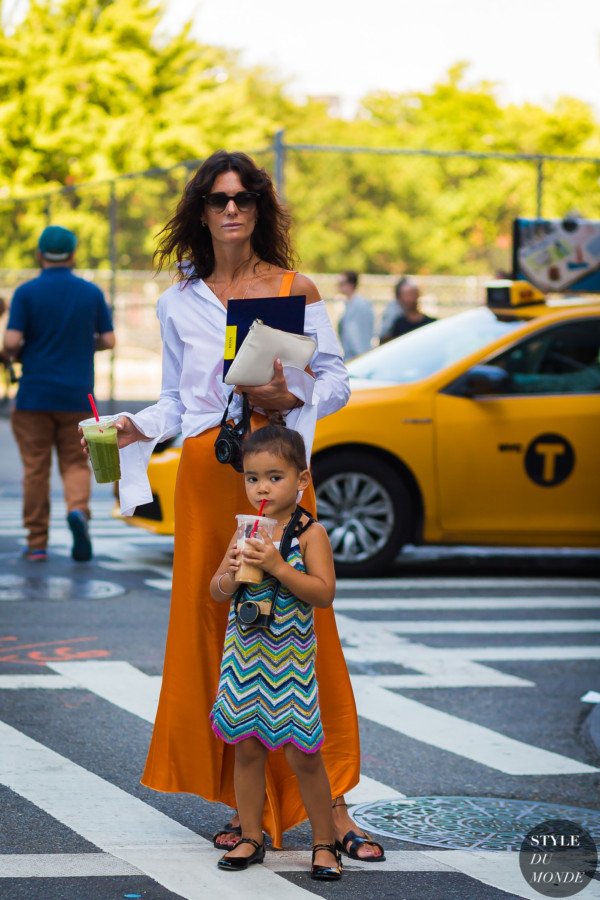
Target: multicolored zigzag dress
column 268, row 688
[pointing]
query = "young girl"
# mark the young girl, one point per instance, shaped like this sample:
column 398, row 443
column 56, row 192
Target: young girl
column 267, row 697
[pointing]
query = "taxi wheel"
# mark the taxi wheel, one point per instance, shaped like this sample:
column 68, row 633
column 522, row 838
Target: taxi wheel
column 367, row 511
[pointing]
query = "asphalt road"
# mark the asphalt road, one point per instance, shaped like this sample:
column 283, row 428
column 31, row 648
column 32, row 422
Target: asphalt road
column 468, row 669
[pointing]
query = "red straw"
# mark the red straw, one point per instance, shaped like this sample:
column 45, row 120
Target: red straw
column 93, row 405
column 260, row 512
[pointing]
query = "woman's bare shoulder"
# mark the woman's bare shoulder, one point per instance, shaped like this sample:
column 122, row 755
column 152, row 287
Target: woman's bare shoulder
column 305, row 285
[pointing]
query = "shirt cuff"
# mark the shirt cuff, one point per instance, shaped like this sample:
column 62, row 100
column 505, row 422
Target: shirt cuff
column 134, row 487
column 300, row 384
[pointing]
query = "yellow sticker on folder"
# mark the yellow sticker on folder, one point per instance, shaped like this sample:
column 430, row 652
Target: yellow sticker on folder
column 230, row 340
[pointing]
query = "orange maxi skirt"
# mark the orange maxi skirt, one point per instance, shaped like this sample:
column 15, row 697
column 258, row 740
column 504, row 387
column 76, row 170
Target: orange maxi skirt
column 185, row 755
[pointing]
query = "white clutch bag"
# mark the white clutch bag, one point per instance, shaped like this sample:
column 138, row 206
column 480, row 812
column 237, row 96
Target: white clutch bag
column 253, row 363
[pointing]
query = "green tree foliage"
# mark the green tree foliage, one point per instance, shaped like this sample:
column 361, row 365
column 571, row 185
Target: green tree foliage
column 423, row 214
column 93, row 89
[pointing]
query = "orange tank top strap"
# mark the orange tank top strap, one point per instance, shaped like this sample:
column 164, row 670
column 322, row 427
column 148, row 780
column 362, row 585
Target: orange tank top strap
column 285, row 288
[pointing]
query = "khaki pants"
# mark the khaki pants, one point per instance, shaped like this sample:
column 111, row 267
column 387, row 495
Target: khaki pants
column 36, row 434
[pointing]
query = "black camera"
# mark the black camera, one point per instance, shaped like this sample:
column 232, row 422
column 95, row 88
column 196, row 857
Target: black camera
column 256, row 612
column 228, row 445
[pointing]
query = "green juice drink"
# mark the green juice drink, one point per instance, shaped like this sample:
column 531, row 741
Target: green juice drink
column 101, row 438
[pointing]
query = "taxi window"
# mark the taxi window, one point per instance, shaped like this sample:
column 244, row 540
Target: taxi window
column 560, row 360
column 431, row 348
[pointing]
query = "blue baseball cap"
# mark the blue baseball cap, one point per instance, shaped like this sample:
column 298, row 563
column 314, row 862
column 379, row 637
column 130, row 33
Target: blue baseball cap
column 56, row 243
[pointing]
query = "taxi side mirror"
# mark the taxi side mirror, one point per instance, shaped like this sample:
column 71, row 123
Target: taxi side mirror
column 481, row 381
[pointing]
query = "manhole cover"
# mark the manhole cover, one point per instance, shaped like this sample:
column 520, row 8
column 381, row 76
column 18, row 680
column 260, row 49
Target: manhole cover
column 19, row 587
column 466, row 823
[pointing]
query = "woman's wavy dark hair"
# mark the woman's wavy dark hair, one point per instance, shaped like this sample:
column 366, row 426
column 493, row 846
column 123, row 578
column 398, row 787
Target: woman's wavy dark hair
column 187, row 242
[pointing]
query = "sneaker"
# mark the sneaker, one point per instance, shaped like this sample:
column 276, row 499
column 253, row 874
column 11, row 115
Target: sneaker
column 82, row 546
column 35, row 555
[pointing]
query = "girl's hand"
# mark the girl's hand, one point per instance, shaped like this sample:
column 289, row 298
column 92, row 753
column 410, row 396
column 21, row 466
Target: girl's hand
column 263, row 553
column 233, row 562
column 127, row 433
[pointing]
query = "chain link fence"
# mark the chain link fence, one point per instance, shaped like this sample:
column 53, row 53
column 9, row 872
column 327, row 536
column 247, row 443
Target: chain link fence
column 117, row 221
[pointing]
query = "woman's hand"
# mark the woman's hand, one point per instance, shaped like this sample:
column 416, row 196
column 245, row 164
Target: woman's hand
column 271, row 396
column 263, row 553
column 127, row 433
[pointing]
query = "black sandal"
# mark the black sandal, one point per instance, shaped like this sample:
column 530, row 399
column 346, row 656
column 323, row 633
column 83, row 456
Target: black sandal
column 239, row 863
column 356, row 842
column 228, row 828
column 326, row 873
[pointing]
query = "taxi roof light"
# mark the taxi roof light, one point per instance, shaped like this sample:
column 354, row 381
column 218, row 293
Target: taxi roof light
column 504, row 294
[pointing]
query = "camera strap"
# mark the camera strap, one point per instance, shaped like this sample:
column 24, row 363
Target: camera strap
column 243, row 426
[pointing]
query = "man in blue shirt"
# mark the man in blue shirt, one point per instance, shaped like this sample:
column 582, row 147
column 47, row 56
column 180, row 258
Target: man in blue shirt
column 355, row 327
column 56, row 323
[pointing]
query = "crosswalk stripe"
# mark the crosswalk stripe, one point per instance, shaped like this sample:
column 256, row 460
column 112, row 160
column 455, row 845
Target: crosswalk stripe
column 475, row 742
column 35, row 682
column 119, row 683
column 499, row 870
column 124, row 686
column 123, row 826
column 451, row 583
column 496, row 626
column 62, row 865
column 368, row 604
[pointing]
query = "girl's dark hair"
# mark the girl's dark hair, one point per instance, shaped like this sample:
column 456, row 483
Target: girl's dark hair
column 186, row 241
column 280, row 441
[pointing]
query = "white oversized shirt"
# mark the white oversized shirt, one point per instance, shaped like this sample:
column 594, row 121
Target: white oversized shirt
column 193, row 396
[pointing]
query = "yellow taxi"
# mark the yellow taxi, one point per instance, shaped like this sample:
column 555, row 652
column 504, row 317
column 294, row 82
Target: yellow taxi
column 483, row 427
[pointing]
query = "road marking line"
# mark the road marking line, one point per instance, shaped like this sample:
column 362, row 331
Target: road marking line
column 124, row 826
column 591, row 697
column 496, row 626
column 475, row 742
column 63, row 865
column 526, row 654
column 396, row 861
column 34, row 682
column 367, row 604
column 159, row 584
column 119, row 683
column 124, row 686
column 366, row 642
column 410, row 584
column 498, row 869
column 442, row 671
column 368, row 789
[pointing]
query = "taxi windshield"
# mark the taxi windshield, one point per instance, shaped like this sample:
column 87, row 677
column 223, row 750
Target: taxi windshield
column 432, row 347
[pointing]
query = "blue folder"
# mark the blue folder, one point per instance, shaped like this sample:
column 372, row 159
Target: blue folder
column 285, row 313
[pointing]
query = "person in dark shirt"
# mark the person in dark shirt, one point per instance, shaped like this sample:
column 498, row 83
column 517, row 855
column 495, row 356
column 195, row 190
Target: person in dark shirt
column 411, row 316
column 56, row 323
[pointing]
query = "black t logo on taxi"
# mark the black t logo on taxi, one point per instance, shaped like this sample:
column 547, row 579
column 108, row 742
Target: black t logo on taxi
column 549, row 459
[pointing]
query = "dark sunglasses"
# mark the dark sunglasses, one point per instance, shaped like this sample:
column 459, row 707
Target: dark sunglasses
column 244, row 200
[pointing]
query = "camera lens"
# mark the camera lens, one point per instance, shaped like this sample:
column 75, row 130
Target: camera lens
column 248, row 612
column 223, row 450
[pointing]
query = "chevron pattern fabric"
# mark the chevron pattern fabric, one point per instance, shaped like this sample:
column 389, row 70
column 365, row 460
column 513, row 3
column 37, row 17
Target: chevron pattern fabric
column 268, row 688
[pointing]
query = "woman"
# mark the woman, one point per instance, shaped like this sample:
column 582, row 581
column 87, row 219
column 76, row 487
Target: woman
column 230, row 238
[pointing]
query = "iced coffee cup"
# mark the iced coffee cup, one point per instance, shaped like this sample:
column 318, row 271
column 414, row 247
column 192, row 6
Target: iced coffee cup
column 247, row 528
column 101, row 436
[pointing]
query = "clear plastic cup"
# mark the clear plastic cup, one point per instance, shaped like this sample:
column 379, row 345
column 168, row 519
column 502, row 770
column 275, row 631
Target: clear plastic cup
column 101, row 437
column 247, row 572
